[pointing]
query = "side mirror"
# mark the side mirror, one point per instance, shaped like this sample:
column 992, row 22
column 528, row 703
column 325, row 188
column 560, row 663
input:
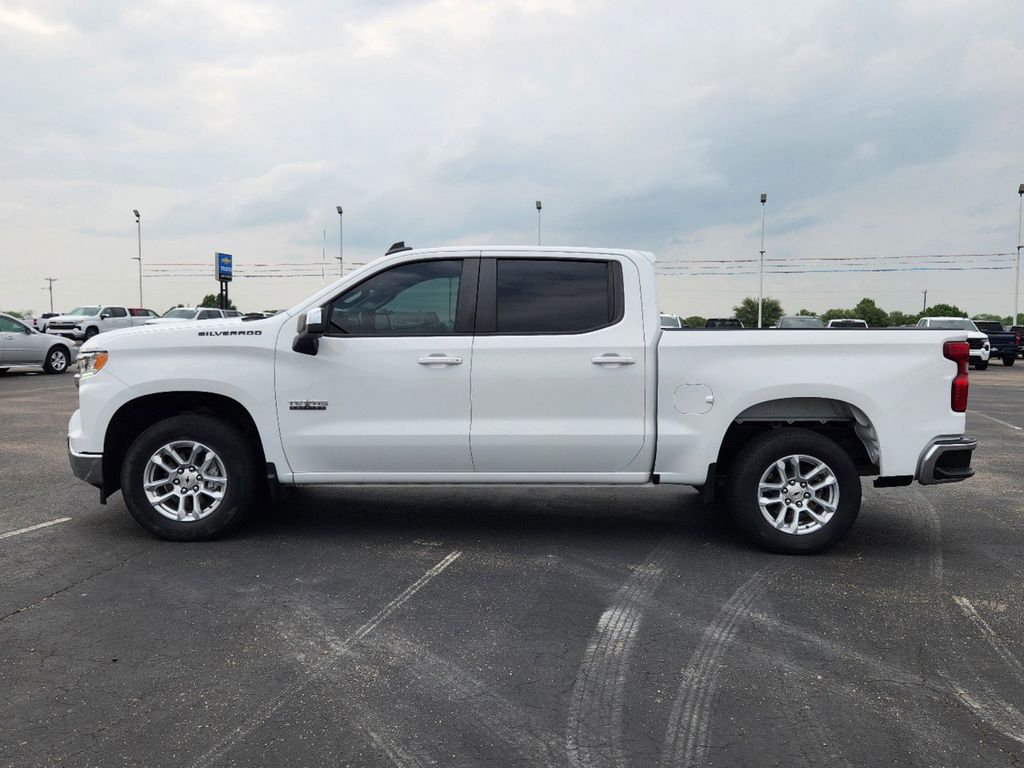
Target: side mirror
column 105, row 316
column 309, row 329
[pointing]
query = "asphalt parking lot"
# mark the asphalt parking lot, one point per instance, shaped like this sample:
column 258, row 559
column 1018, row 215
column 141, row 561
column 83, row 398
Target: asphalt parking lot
column 506, row 626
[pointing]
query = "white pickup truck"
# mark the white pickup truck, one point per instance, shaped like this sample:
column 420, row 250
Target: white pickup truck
column 515, row 365
column 85, row 322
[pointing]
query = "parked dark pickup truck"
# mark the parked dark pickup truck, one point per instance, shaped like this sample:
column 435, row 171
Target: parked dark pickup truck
column 1005, row 344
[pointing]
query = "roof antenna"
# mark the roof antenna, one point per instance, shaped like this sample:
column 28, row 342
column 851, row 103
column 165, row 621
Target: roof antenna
column 398, row 248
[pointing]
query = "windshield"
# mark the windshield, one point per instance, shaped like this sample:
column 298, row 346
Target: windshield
column 801, row 322
column 989, row 325
column 85, row 311
column 953, row 325
column 848, row 324
column 181, row 313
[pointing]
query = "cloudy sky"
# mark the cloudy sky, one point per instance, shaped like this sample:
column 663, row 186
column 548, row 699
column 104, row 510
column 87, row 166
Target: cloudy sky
column 889, row 129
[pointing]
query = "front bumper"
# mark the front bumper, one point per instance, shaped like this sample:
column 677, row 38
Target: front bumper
column 87, row 466
column 946, row 460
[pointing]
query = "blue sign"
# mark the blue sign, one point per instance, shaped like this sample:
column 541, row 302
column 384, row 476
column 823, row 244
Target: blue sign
column 222, row 262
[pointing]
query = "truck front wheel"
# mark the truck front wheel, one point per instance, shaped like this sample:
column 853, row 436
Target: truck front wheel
column 794, row 491
column 189, row 477
column 1009, row 360
column 91, row 331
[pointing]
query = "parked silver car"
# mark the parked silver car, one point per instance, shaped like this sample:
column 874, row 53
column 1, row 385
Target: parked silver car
column 22, row 345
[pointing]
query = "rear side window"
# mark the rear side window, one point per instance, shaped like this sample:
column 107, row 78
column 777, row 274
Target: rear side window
column 117, row 311
column 554, row 295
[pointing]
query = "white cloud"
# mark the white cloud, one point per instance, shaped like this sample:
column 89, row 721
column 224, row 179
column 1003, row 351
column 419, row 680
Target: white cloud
column 876, row 129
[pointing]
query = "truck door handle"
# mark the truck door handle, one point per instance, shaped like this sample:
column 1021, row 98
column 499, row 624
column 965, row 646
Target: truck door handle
column 612, row 360
column 440, row 360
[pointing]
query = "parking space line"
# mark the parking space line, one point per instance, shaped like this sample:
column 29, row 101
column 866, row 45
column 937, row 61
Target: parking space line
column 270, row 707
column 34, row 527
column 997, row 421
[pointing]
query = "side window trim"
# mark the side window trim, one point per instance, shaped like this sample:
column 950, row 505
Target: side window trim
column 465, row 302
column 487, row 303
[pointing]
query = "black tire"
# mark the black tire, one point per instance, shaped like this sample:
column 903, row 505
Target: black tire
column 57, row 359
column 239, row 465
column 981, row 365
column 758, row 456
column 91, row 331
column 1009, row 360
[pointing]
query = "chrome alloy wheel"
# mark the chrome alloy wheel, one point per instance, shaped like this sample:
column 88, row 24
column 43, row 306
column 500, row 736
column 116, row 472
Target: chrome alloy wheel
column 58, row 360
column 185, row 481
column 798, row 494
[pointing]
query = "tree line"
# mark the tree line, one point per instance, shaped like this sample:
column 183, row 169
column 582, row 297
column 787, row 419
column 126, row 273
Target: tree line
column 865, row 309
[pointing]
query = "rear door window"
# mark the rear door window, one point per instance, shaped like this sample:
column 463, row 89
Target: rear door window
column 554, row 295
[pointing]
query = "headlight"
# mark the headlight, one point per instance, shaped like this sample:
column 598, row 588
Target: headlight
column 92, row 363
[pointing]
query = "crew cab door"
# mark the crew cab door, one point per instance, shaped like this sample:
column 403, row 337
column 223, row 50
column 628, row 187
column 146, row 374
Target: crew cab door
column 386, row 397
column 117, row 317
column 558, row 365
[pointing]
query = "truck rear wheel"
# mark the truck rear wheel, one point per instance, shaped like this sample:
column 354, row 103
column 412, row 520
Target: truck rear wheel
column 794, row 491
column 189, row 478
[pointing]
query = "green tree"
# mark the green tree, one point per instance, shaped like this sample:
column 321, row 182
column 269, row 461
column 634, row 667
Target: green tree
column 695, row 321
column 213, row 300
column 901, row 318
column 807, row 313
column 943, row 310
column 875, row 316
column 746, row 312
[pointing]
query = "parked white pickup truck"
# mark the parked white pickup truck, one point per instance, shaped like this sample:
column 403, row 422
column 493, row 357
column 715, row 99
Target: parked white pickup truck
column 85, row 322
column 515, row 365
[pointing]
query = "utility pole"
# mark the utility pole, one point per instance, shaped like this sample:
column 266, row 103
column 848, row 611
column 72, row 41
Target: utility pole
column 538, row 222
column 138, row 223
column 1020, row 245
column 51, row 281
column 323, row 257
column 924, row 303
column 760, row 290
column 341, row 244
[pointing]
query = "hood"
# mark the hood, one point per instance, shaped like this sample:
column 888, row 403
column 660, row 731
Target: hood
column 185, row 333
column 69, row 318
column 165, row 320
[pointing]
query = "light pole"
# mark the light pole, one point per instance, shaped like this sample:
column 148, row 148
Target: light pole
column 1020, row 245
column 341, row 244
column 138, row 223
column 760, row 290
column 924, row 301
column 51, row 281
column 538, row 222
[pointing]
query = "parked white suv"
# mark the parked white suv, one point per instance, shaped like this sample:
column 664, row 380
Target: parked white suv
column 981, row 350
column 185, row 314
column 82, row 323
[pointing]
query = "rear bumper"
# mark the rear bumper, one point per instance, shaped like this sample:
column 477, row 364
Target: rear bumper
column 946, row 460
column 87, row 466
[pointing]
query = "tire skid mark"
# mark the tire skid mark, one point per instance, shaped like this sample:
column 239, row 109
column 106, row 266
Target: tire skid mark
column 480, row 706
column 594, row 731
column 990, row 635
column 320, row 670
column 984, row 703
column 686, row 737
column 992, row 709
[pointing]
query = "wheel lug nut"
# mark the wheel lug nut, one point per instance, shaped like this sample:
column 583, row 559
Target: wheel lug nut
column 195, row 487
column 184, row 491
column 180, row 470
column 177, row 481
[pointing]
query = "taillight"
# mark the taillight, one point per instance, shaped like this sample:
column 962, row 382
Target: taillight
column 960, row 353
